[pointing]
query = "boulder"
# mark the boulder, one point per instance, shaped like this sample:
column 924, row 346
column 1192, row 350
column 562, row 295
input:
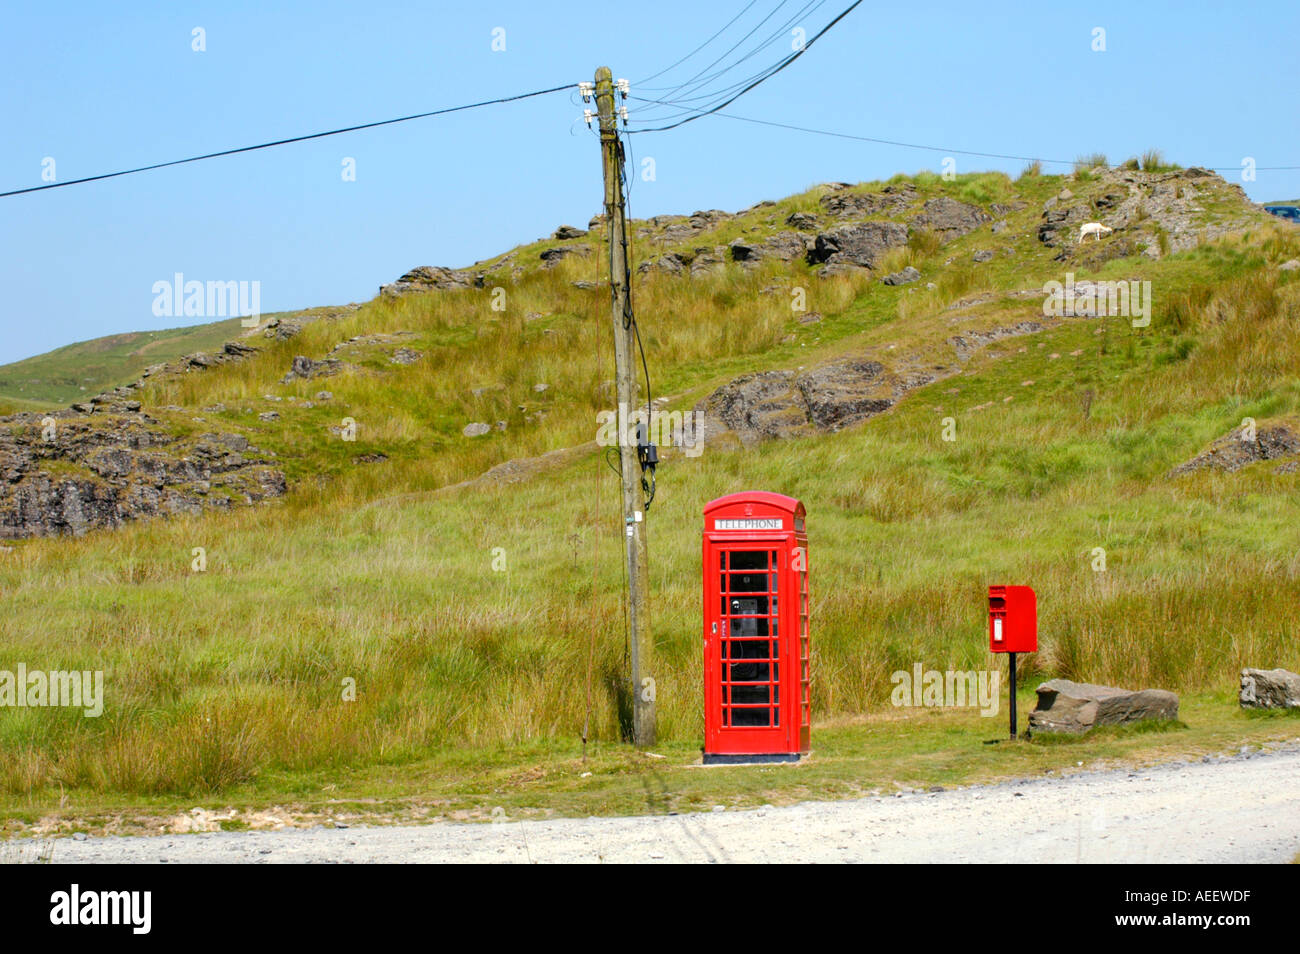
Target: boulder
column 787, row 246
column 801, row 220
column 100, row 470
column 566, row 232
column 950, row 218
column 862, row 244
column 1239, row 448
column 825, row 398
column 1076, row 707
column 432, row 278
column 891, row 200
column 477, row 429
column 406, row 356
column 1269, row 689
column 552, row 256
column 905, row 277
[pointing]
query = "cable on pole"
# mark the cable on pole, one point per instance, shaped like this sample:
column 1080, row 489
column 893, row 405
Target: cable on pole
column 283, row 142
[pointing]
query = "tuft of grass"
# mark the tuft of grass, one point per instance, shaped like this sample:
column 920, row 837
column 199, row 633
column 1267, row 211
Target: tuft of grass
column 1085, row 165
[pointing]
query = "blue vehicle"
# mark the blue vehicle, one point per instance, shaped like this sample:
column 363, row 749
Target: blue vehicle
column 1289, row 212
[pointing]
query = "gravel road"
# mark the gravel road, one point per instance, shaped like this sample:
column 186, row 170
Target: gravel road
column 1244, row 808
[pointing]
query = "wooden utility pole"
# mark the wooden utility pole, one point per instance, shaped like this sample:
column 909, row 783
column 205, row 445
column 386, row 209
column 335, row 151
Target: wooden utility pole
column 634, row 527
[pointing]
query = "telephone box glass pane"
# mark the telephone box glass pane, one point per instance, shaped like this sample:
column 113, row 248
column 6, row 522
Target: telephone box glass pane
column 748, row 582
column 747, row 650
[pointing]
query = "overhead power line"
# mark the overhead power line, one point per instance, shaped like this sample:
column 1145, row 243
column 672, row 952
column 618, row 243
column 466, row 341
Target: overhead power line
column 284, row 142
column 699, row 85
column 762, row 78
column 944, row 149
column 743, row 11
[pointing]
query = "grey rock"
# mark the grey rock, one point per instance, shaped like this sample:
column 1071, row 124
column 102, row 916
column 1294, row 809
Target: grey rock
column 1075, row 707
column 905, row 277
column 433, row 278
column 950, row 218
column 889, row 201
column 862, row 244
column 406, row 356
column 825, row 398
column 477, row 429
column 1269, row 689
column 116, row 466
column 801, row 220
column 566, row 232
column 983, row 255
column 1290, row 265
column 553, row 256
column 1232, row 451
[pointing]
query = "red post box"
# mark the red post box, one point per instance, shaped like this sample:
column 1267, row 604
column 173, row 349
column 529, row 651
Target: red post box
column 1013, row 628
column 756, row 645
column 1013, row 619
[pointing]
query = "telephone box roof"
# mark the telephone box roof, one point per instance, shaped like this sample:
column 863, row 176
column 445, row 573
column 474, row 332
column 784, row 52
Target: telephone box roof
column 767, row 498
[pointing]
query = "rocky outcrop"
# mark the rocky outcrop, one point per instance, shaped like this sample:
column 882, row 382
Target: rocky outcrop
column 1076, row 707
column 1242, row 446
column 1269, row 689
column 553, row 256
column 949, row 218
column 905, row 277
column 785, row 246
column 428, row 278
column 861, row 244
column 823, row 399
column 969, row 342
column 891, row 200
column 69, row 473
column 1150, row 213
column 305, row 368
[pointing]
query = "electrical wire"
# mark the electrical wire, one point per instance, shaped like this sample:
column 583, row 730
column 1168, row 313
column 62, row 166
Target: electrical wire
column 698, row 48
column 778, row 68
column 943, row 149
column 715, row 95
column 282, row 142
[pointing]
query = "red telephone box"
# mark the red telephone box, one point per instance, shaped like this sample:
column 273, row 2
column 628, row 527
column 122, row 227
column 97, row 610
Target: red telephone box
column 756, row 649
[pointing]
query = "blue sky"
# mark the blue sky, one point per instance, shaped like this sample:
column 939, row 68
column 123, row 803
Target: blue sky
column 99, row 87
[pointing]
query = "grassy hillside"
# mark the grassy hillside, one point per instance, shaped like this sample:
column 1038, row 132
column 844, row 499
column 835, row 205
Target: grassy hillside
column 76, row 371
column 372, row 570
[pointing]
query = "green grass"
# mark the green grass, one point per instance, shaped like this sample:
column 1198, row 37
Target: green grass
column 880, row 754
column 78, row 371
column 469, row 682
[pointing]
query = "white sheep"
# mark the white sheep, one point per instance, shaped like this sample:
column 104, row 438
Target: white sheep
column 1093, row 228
